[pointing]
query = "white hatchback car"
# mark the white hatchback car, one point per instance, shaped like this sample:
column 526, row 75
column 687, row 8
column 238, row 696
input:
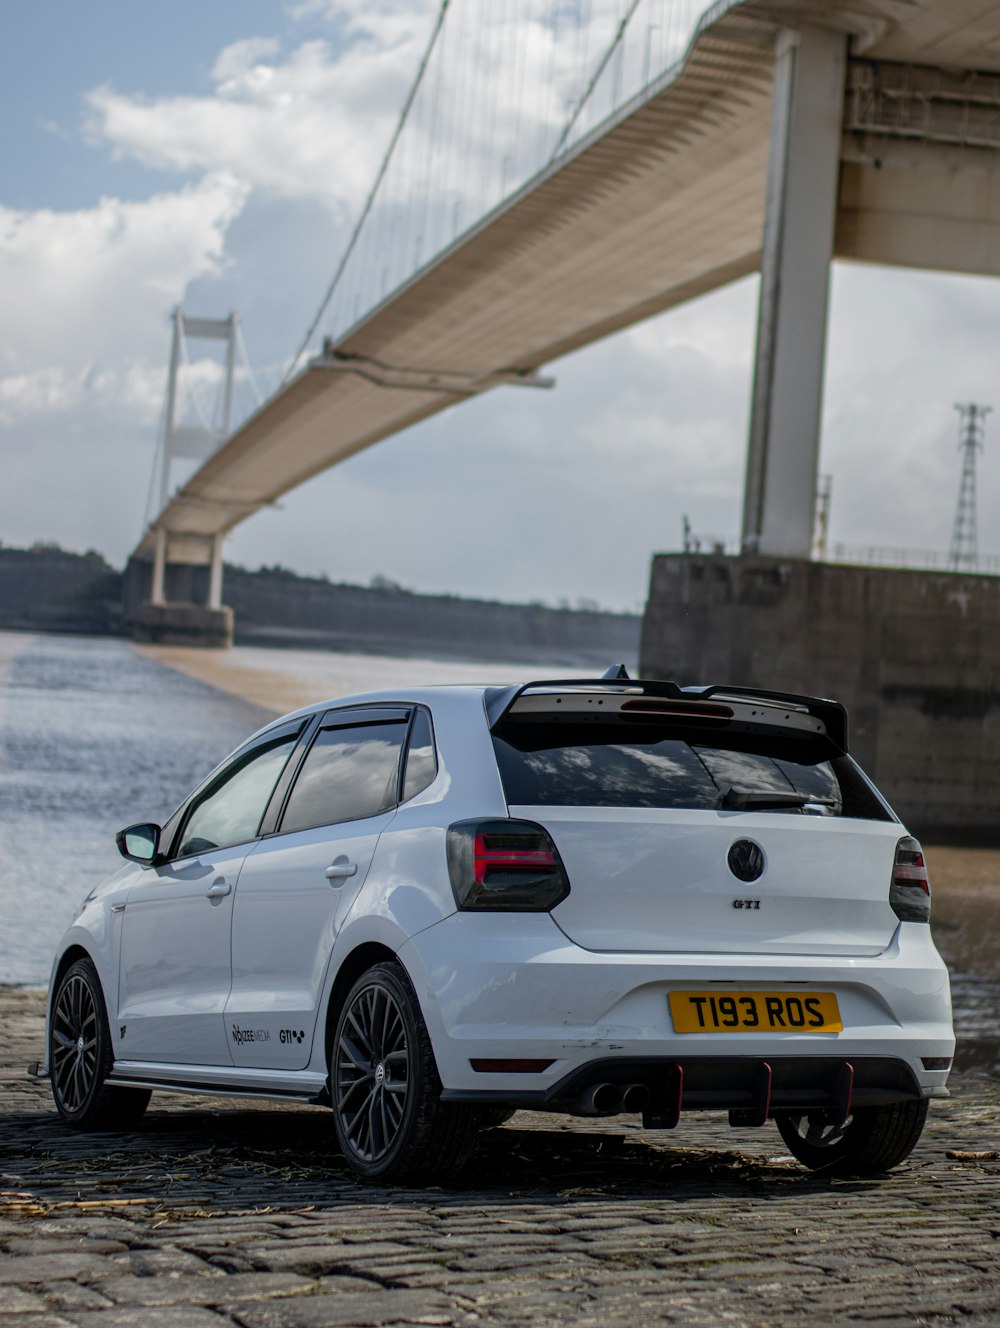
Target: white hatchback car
column 430, row 907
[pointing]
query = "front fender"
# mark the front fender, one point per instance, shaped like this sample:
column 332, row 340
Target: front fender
column 96, row 931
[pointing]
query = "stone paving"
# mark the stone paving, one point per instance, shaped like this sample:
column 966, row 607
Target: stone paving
column 213, row 1214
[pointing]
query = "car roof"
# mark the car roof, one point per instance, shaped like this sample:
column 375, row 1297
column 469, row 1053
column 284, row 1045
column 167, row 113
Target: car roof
column 498, row 700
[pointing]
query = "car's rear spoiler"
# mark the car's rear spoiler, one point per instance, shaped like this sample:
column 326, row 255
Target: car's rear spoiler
column 833, row 716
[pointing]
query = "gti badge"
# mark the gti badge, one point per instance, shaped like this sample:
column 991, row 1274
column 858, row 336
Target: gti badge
column 746, row 860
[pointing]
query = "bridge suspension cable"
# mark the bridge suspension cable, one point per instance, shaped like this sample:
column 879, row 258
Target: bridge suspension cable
column 369, row 202
column 503, row 90
column 602, row 65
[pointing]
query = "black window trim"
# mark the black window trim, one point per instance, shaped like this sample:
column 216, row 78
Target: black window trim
column 276, row 802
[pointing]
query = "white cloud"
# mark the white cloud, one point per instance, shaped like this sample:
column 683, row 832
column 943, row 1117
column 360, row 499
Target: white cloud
column 93, row 286
column 134, row 390
column 309, row 126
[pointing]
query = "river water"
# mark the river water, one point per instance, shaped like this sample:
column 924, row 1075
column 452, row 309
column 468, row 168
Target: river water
column 95, row 735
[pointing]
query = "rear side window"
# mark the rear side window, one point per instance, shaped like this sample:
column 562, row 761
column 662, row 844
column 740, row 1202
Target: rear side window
column 629, row 765
column 421, row 761
column 349, row 773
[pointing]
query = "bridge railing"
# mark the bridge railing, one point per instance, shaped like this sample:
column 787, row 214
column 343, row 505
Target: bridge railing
column 507, row 90
column 863, row 555
column 926, row 560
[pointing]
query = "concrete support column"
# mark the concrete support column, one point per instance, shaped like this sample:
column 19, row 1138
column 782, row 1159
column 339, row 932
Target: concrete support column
column 783, row 454
column 156, row 594
column 215, row 575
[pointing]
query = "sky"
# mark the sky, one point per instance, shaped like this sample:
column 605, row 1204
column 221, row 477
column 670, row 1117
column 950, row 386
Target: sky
column 216, row 156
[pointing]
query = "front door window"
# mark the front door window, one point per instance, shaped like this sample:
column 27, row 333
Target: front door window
column 232, row 811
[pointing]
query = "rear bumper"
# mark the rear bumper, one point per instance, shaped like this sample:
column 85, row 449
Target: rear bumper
column 494, row 986
column 752, row 1090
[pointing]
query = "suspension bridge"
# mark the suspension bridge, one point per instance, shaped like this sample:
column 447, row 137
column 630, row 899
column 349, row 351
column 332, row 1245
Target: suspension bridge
column 562, row 171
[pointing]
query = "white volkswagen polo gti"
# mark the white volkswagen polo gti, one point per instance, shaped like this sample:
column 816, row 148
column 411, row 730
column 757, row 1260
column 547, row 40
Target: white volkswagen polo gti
column 429, row 907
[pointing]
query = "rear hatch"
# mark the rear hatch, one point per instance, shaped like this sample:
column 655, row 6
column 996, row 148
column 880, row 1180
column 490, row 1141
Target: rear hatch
column 685, row 825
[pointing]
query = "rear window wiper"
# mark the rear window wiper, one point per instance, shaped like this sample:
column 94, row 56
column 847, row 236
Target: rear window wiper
column 745, row 799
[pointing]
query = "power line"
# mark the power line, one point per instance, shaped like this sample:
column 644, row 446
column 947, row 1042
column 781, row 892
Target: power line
column 369, row 202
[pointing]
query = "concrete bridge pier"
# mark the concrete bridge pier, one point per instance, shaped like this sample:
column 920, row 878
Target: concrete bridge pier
column 176, row 599
column 799, row 224
column 915, row 657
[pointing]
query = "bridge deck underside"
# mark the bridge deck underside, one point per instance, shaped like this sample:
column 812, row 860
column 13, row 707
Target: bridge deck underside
column 667, row 204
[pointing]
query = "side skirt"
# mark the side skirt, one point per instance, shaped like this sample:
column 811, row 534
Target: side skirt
column 221, row 1081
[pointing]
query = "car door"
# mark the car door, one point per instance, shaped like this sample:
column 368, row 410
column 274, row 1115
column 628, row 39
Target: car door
column 298, row 884
column 176, row 971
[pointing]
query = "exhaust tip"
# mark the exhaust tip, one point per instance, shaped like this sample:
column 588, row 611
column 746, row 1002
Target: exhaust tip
column 635, row 1098
column 598, row 1100
column 606, row 1099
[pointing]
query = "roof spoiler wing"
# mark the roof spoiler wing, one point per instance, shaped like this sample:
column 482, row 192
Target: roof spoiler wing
column 833, row 715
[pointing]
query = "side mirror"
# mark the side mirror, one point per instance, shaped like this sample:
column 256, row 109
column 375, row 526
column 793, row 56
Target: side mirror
column 139, row 843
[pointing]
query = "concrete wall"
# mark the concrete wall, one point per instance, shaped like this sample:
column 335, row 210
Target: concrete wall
column 915, row 656
column 274, row 607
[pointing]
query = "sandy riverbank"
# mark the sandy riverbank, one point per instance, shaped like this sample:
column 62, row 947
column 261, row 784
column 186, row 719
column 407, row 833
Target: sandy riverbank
column 284, row 680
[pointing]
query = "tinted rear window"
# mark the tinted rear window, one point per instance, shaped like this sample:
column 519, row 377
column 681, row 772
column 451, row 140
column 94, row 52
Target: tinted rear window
column 629, row 765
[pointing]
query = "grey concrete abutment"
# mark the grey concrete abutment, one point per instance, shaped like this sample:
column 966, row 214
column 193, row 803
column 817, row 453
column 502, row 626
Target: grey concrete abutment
column 914, row 655
column 181, row 617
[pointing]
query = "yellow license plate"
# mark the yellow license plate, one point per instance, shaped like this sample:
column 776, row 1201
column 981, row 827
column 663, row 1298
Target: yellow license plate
column 755, row 1012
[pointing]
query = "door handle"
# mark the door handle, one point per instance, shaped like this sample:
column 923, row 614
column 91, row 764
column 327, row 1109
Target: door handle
column 218, row 890
column 341, row 869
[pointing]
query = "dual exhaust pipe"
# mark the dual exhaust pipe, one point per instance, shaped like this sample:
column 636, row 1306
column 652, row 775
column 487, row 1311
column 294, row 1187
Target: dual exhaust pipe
column 610, row 1099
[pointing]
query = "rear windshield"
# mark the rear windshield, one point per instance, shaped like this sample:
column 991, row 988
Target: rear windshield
column 646, row 765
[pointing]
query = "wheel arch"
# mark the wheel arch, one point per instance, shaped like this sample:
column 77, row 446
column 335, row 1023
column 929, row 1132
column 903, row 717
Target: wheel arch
column 66, row 961
column 357, row 962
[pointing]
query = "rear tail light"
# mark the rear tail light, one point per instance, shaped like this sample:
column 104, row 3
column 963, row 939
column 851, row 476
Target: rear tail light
column 910, row 891
column 501, row 865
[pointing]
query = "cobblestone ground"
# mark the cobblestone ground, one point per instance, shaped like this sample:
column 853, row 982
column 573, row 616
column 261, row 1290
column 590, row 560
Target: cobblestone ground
column 215, row 1215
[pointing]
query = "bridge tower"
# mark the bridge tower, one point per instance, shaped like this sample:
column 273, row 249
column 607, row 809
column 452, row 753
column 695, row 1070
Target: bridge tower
column 167, row 601
column 964, row 554
column 799, row 225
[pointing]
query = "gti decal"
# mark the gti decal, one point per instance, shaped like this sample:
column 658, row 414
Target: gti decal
column 291, row 1035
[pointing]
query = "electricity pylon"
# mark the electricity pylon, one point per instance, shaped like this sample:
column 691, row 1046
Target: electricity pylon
column 964, row 554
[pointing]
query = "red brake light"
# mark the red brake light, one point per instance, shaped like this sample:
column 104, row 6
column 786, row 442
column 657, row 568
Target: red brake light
column 497, row 853
column 505, row 865
column 910, row 890
column 692, row 709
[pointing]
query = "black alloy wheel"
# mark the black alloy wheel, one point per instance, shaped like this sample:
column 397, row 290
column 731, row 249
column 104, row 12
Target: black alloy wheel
column 385, row 1089
column 373, row 1072
column 81, row 1057
column 871, row 1141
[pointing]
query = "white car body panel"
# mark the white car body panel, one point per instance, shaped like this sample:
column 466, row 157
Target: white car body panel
column 285, row 919
column 175, row 961
column 500, row 987
column 646, row 879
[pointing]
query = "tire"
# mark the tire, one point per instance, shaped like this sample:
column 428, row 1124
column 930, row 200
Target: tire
column 384, row 1087
column 81, row 1057
column 491, row 1118
column 874, row 1140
